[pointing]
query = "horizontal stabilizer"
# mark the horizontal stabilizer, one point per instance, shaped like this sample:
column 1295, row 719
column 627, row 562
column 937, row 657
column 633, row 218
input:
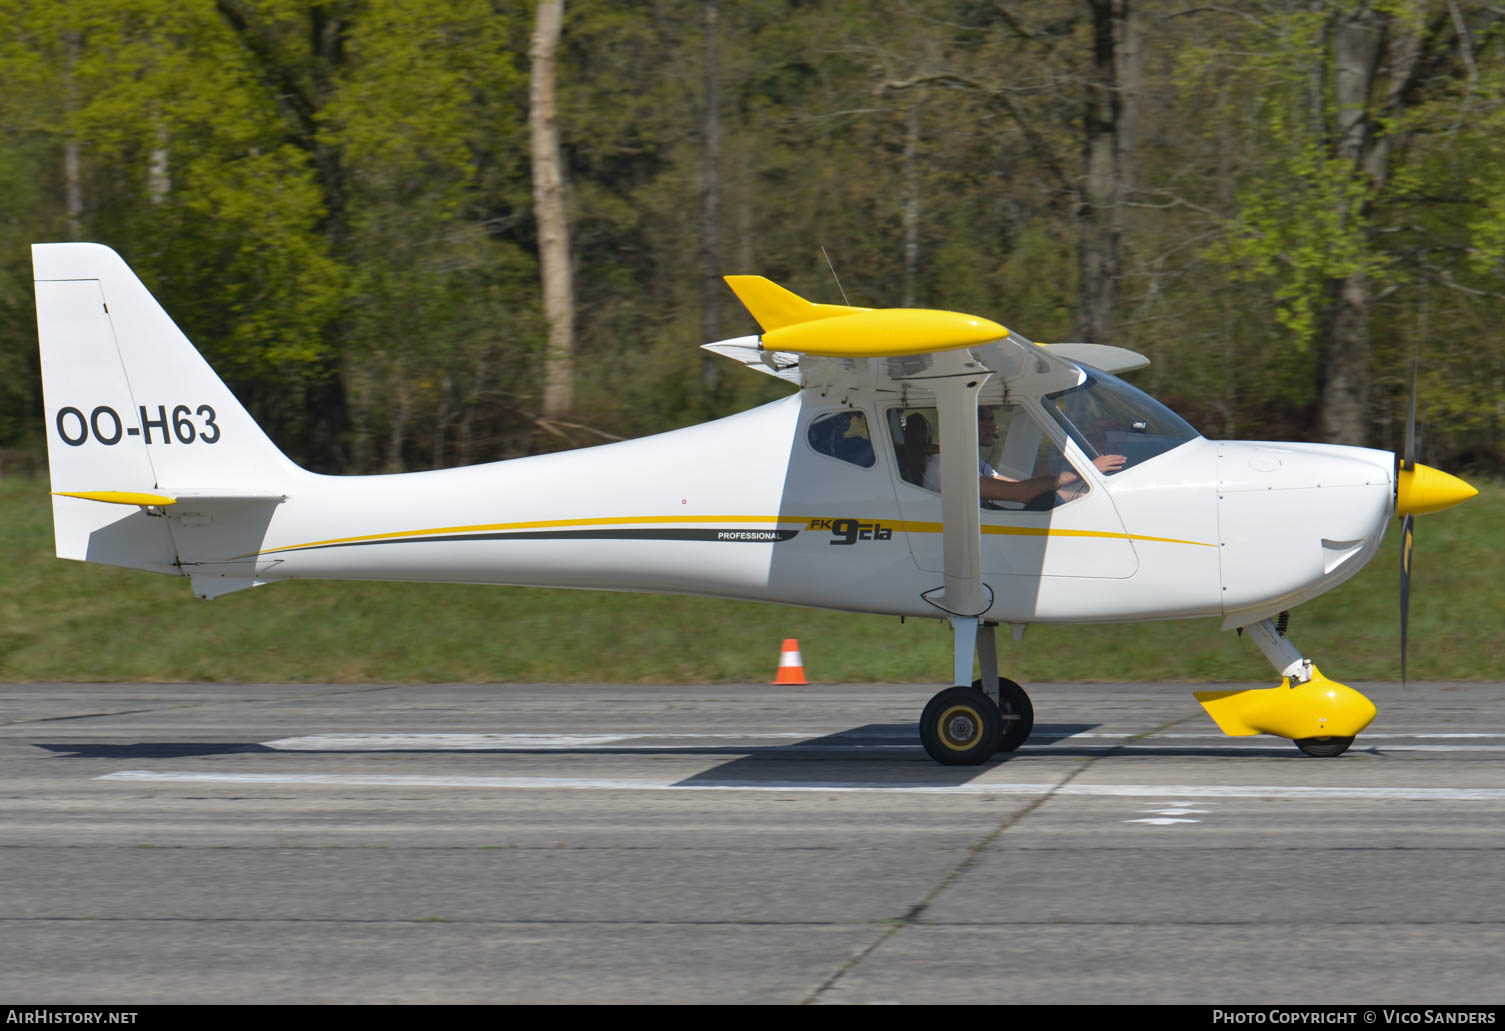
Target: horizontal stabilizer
column 207, row 588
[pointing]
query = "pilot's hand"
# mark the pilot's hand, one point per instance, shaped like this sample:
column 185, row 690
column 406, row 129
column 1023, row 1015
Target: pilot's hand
column 1109, row 463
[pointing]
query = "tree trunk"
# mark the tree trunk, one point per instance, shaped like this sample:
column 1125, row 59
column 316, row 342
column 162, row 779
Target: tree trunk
column 711, row 193
column 548, row 201
column 1344, row 405
column 1107, row 142
column 1345, row 375
column 397, row 428
column 441, row 420
column 72, row 172
column 302, row 93
column 159, row 169
column 910, row 205
column 711, row 286
column 1361, row 41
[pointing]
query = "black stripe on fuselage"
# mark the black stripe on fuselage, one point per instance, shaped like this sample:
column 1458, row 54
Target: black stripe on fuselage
column 743, row 535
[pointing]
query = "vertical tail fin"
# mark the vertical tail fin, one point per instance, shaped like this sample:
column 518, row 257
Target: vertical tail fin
column 131, row 408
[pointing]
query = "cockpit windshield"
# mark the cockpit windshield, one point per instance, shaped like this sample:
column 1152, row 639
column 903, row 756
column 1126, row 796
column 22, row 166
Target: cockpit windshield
column 1107, row 416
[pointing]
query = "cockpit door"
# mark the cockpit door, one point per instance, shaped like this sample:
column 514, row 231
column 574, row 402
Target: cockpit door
column 1074, row 531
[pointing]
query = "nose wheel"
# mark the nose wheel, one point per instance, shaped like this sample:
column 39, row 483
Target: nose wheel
column 1324, row 747
column 961, row 727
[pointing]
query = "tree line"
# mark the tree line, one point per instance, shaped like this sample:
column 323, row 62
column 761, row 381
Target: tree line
column 417, row 233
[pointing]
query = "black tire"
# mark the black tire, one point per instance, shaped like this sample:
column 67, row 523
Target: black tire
column 1016, row 704
column 960, row 727
column 1324, row 747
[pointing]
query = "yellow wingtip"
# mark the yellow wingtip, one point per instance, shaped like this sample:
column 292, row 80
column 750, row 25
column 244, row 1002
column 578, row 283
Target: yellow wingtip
column 886, row 332
column 774, row 307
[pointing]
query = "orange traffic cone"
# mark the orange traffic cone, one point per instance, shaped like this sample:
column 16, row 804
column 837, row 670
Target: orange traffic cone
column 791, row 665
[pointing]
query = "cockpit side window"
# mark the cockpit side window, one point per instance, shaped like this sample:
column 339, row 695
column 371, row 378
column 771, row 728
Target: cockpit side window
column 1013, row 446
column 843, row 436
column 1107, row 416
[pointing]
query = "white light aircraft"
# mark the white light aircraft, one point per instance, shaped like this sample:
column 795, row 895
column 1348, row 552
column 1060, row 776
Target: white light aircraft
column 865, row 490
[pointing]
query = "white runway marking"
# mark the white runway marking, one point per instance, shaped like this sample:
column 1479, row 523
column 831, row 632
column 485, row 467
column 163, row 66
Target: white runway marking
column 1434, row 748
column 1167, row 814
column 1367, row 736
column 1176, row 791
column 1266, row 743
column 666, row 742
column 473, row 742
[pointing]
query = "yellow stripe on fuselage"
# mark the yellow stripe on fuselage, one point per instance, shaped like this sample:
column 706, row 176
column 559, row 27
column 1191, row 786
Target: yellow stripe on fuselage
column 537, row 524
column 544, row 524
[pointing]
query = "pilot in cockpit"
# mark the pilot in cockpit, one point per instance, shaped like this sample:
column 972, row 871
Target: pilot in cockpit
column 995, row 486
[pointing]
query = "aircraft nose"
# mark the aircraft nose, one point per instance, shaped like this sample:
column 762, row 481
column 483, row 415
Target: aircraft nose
column 1424, row 489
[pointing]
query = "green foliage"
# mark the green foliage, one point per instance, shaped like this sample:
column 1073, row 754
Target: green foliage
column 333, row 199
column 1300, row 232
column 1299, row 220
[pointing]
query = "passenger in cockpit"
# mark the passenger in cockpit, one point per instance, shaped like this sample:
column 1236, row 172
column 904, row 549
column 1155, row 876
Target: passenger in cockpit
column 994, row 486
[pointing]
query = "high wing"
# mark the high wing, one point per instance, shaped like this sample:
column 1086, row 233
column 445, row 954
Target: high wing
column 951, row 355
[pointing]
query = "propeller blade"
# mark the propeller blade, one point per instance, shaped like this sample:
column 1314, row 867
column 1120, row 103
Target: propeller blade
column 1406, row 537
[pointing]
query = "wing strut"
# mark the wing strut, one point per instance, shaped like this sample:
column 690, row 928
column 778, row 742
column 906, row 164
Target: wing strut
column 963, row 597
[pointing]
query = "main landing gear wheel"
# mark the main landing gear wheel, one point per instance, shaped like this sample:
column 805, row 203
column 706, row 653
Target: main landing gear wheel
column 1324, row 747
column 961, row 727
column 1017, row 713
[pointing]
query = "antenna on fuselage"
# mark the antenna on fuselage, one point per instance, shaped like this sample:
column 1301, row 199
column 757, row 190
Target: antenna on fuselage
column 834, row 275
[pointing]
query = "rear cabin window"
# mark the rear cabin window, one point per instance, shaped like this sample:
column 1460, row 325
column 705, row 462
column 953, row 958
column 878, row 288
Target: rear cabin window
column 844, row 436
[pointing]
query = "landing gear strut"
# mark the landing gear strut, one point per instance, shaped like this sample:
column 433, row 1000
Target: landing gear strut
column 965, row 726
column 1016, row 711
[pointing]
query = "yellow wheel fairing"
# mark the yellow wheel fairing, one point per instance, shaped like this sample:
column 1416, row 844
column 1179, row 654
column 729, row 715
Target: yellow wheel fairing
column 1318, row 708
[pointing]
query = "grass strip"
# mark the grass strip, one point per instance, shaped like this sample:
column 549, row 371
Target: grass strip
column 67, row 621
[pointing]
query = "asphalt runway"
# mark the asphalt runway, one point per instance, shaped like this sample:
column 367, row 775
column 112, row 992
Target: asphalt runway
column 738, row 844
